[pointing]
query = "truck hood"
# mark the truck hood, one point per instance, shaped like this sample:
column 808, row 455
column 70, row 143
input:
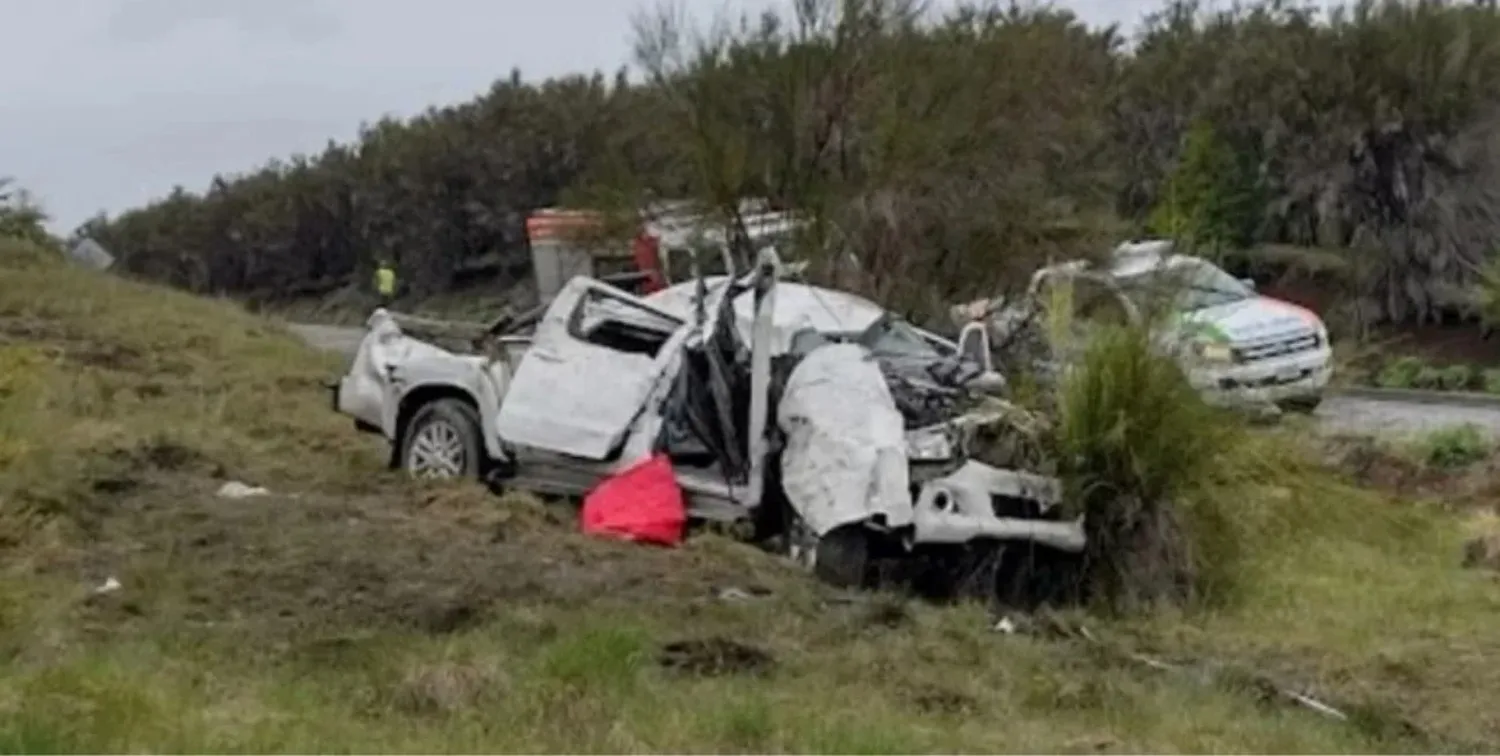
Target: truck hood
column 1253, row 319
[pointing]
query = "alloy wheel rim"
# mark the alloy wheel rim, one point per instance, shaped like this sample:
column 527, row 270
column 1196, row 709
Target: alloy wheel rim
column 437, row 452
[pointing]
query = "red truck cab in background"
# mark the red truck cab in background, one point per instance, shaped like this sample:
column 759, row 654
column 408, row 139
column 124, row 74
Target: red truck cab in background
column 567, row 243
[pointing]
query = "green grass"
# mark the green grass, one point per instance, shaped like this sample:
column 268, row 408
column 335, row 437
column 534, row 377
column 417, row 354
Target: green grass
column 1490, row 380
column 1401, row 373
column 279, row 624
column 1455, row 447
column 585, row 680
column 102, row 371
column 1413, row 373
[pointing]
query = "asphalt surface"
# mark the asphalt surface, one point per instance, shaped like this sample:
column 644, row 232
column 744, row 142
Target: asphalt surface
column 1338, row 414
column 1385, row 417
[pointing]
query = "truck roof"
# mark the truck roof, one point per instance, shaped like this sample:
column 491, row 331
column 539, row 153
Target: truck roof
column 797, row 305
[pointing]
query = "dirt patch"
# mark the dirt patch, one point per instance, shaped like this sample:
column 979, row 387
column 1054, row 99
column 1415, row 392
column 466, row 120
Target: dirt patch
column 885, row 614
column 1482, row 547
column 933, row 699
column 285, row 568
column 714, row 657
column 160, row 454
column 149, row 390
column 114, row 485
column 1369, row 464
column 70, row 347
column 1482, row 552
column 19, row 328
column 128, row 471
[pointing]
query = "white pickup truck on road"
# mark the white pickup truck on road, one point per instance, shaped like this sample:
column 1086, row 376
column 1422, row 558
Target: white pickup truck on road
column 1234, row 345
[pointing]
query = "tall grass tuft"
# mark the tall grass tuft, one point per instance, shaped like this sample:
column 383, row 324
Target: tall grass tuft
column 1132, row 436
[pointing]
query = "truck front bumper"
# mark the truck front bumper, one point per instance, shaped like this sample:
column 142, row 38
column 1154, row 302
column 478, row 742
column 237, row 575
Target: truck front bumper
column 1295, row 376
column 966, row 506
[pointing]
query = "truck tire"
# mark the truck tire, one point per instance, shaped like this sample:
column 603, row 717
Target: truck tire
column 442, row 442
column 1303, row 404
column 841, row 557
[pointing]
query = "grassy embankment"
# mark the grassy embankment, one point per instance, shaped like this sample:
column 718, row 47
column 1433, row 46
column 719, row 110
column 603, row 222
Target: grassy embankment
column 350, row 611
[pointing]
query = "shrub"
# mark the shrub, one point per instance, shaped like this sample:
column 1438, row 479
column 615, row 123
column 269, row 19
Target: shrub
column 1429, row 378
column 21, row 218
column 1400, row 374
column 1456, row 378
column 1457, row 446
column 1491, row 380
column 1132, row 436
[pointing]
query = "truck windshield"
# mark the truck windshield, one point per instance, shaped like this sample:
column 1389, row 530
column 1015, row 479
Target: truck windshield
column 895, row 337
column 1189, row 284
column 679, row 263
column 712, row 260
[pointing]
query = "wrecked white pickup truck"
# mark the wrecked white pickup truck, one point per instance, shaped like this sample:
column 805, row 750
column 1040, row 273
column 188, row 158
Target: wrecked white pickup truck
column 791, row 432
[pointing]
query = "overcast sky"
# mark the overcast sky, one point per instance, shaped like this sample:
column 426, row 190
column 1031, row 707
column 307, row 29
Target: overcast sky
column 106, row 104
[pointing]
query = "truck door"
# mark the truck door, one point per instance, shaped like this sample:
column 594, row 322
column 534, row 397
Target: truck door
column 594, row 359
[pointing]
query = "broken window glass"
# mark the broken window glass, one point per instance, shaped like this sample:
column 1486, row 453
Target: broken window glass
column 617, row 323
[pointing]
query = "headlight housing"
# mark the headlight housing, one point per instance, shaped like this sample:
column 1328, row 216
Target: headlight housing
column 929, row 445
column 1213, row 351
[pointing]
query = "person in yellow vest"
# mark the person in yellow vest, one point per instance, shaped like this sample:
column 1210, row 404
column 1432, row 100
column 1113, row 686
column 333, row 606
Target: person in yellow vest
column 385, row 282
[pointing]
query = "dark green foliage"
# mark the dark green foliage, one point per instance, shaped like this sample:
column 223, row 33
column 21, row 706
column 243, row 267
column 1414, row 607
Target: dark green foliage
column 1456, row 378
column 1458, row 446
column 1413, row 373
column 1485, row 294
column 951, row 153
column 1210, row 200
column 1371, row 128
column 21, row 218
column 1133, row 439
column 1401, row 373
column 917, row 146
column 1429, row 378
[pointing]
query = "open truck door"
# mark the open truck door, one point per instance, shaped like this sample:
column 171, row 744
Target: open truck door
column 595, row 357
column 974, row 345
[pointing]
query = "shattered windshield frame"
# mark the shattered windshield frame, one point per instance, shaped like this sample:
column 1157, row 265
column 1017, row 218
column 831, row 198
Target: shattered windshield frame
column 892, row 336
column 1187, row 284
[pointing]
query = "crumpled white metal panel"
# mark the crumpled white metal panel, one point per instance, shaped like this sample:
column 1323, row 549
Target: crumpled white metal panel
column 845, row 456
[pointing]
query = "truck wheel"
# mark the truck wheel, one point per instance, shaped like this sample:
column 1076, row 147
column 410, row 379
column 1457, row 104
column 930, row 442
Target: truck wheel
column 841, row 557
column 1304, row 404
column 442, row 442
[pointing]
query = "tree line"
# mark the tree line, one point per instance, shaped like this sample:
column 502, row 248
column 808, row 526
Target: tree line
column 952, row 152
column 20, row 216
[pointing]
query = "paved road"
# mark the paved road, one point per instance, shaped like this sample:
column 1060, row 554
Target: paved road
column 343, row 339
column 1339, row 414
column 1348, row 414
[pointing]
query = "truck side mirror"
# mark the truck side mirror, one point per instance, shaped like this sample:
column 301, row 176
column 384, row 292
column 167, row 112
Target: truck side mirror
column 974, row 345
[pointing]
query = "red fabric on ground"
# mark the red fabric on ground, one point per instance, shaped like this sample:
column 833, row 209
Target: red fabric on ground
column 641, row 503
